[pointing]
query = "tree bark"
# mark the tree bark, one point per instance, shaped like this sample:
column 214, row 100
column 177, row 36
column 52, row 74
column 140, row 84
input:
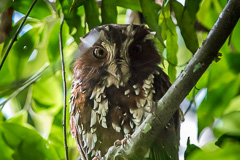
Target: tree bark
column 143, row 137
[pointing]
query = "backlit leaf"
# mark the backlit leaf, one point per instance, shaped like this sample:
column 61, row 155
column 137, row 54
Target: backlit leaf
column 108, row 12
column 151, row 13
column 24, row 143
column 92, row 15
column 186, row 25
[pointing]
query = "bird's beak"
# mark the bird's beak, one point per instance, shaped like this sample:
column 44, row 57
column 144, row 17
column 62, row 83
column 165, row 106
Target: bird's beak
column 118, row 73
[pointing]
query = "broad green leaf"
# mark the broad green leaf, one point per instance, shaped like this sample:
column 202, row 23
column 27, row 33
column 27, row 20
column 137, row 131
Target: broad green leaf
column 130, row 4
column 56, row 140
column 21, row 51
column 229, row 152
column 73, row 17
column 6, row 76
column 151, row 14
column 186, row 25
column 192, row 6
column 108, row 12
column 92, row 15
column 18, row 86
column 228, row 137
column 215, row 103
column 47, row 101
column 40, row 10
column 229, row 124
column 163, row 19
column 191, row 148
column 172, row 48
column 20, row 118
column 24, row 143
column 207, row 14
column 6, row 152
column 233, row 105
column 47, row 93
column 53, row 51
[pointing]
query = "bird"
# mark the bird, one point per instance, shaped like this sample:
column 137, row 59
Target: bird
column 116, row 82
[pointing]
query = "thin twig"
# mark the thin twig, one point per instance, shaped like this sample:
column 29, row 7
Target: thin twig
column 64, row 90
column 16, row 34
column 191, row 102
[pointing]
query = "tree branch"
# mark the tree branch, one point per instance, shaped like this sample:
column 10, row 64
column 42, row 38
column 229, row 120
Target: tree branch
column 143, row 137
column 16, row 34
column 64, row 90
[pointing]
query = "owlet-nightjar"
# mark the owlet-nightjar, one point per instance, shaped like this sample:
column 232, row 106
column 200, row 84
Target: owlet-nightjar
column 116, row 84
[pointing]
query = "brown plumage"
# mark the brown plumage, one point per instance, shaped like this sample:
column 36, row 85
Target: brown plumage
column 116, row 80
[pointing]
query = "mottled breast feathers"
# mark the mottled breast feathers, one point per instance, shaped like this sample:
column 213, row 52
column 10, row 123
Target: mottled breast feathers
column 116, row 81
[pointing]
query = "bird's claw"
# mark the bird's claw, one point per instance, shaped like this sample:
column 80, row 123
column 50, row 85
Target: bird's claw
column 98, row 156
column 122, row 142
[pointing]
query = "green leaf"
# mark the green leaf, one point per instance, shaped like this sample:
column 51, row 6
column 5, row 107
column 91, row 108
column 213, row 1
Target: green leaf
column 53, row 51
column 48, row 94
column 47, row 101
column 5, row 150
column 21, row 52
column 227, row 138
column 172, row 48
column 151, row 14
column 56, row 139
column 72, row 15
column 24, row 143
column 215, row 103
column 108, row 12
column 41, row 9
column 192, row 6
column 92, row 15
column 229, row 124
column 130, row 4
column 208, row 14
column 191, row 148
column 229, row 152
column 233, row 60
column 186, row 25
column 233, row 105
column 19, row 118
column 163, row 19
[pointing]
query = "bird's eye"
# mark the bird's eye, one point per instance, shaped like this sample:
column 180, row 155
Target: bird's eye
column 99, row 53
column 137, row 49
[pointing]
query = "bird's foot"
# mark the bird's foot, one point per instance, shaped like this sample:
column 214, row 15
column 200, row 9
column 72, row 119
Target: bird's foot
column 98, row 156
column 122, row 142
